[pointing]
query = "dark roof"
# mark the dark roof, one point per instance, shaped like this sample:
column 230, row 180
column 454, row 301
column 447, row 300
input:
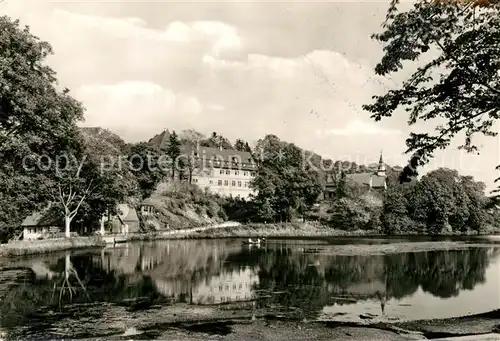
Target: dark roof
column 131, row 216
column 378, row 181
column 45, row 217
column 160, row 140
column 360, row 178
column 364, row 179
column 224, row 158
column 227, row 158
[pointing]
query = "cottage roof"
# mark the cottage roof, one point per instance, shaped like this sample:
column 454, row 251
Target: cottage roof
column 45, row 217
column 131, row 216
column 160, row 140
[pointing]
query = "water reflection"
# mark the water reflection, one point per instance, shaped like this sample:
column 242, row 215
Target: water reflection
column 291, row 279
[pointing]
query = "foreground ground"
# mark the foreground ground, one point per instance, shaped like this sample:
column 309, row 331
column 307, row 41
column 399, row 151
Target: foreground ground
column 479, row 327
column 186, row 322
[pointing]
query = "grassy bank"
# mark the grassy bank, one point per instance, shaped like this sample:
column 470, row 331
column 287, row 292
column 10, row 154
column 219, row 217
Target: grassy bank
column 285, row 230
column 25, row 247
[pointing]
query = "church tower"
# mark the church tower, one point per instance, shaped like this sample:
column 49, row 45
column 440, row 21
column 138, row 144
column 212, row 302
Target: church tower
column 381, row 166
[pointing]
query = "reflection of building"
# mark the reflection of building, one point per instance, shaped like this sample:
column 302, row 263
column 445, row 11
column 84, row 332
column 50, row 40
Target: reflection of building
column 234, row 286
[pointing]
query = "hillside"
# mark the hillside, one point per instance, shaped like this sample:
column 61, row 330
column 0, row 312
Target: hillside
column 181, row 206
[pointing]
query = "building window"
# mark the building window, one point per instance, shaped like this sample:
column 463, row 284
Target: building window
column 245, row 173
column 234, row 286
column 221, row 171
column 227, row 287
column 228, row 172
column 220, row 288
column 239, row 183
column 241, row 285
column 246, row 183
column 219, row 182
column 233, row 183
column 210, row 182
column 226, row 183
column 222, row 299
column 236, row 173
column 252, row 173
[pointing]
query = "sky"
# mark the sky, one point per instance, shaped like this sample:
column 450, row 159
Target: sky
column 299, row 70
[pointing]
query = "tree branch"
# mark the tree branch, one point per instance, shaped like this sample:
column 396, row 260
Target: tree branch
column 82, row 199
column 467, row 68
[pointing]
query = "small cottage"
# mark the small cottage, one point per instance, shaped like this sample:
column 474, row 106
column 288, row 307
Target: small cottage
column 42, row 224
column 126, row 221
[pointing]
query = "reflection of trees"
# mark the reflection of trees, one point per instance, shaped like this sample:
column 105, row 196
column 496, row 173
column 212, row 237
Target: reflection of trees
column 69, row 272
column 440, row 273
column 299, row 284
column 309, row 281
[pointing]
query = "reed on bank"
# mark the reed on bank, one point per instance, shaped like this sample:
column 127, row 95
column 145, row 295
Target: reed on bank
column 29, row 247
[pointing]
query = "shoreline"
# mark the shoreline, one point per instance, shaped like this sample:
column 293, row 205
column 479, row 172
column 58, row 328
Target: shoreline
column 270, row 231
column 33, row 247
column 288, row 230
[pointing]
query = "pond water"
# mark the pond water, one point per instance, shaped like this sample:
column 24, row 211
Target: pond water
column 135, row 287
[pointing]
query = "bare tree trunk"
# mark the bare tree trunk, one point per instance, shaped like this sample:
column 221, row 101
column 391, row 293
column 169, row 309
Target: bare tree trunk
column 67, row 224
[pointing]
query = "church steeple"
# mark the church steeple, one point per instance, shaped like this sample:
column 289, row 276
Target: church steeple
column 381, row 166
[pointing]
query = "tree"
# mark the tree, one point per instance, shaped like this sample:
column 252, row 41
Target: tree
column 147, row 167
column 395, row 217
column 349, row 214
column 239, row 145
column 115, row 182
column 70, row 191
column 189, row 136
column 459, row 86
column 284, row 183
column 341, row 190
column 216, row 141
column 30, row 102
column 36, row 118
column 442, row 202
column 248, row 148
column 173, row 152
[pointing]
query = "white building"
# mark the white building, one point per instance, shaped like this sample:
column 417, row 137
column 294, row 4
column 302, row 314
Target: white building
column 225, row 172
